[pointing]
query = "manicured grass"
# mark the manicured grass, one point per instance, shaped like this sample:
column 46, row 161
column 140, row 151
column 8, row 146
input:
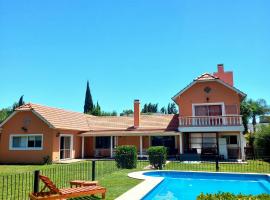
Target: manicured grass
column 18, row 179
column 251, row 166
column 13, row 169
column 116, row 183
column 18, row 185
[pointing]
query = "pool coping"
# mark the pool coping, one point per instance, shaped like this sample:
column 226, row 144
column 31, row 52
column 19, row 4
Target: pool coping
column 142, row 189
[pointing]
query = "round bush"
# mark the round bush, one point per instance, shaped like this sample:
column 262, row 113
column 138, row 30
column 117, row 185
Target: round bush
column 157, row 156
column 126, row 157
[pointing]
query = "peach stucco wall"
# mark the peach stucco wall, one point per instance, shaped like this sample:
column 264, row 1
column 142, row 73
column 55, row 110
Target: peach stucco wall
column 76, row 153
column 14, row 126
column 129, row 140
column 34, row 126
column 196, row 94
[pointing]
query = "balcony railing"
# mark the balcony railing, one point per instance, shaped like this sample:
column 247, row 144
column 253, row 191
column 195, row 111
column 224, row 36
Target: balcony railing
column 228, row 120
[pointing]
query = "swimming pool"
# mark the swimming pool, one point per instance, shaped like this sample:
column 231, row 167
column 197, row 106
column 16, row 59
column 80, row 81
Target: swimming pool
column 188, row 185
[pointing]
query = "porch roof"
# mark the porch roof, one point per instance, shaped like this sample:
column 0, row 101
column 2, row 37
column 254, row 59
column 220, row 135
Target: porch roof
column 130, row 133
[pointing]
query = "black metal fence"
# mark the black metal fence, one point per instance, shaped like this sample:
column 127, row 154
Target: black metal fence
column 18, row 186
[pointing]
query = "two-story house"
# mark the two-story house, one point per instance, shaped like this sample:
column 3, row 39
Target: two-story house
column 208, row 124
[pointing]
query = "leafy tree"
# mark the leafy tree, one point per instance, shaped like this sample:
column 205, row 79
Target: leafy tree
column 262, row 139
column 113, row 113
column 126, row 112
column 150, row 108
column 4, row 114
column 257, row 108
column 18, row 104
column 171, row 109
column 88, row 103
column 163, row 110
column 246, row 114
column 96, row 110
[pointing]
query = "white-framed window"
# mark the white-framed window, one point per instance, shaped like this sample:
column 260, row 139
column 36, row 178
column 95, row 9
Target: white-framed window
column 26, row 142
column 231, row 139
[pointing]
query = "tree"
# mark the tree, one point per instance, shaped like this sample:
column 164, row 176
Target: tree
column 172, row 108
column 21, row 101
column 150, row 108
column 245, row 111
column 257, row 108
column 96, row 110
column 18, row 104
column 163, row 110
column 88, row 103
column 262, row 139
column 126, row 112
column 4, row 114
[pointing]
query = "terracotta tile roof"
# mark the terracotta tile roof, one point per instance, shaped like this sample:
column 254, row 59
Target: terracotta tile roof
column 63, row 119
column 147, row 122
column 58, row 118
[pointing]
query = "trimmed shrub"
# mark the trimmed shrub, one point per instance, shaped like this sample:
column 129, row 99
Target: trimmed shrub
column 230, row 196
column 47, row 160
column 126, row 157
column 157, row 156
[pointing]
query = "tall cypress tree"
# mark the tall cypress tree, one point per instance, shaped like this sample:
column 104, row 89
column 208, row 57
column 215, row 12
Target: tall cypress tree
column 21, row 102
column 88, row 103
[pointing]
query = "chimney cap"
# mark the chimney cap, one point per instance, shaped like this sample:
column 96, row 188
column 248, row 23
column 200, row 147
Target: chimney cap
column 136, row 100
column 221, row 65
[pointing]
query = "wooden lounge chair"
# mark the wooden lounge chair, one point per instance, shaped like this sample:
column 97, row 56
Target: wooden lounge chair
column 55, row 193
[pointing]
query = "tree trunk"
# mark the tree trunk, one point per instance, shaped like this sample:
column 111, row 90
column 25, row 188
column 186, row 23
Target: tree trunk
column 254, row 123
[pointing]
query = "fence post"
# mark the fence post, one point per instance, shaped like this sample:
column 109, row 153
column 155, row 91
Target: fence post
column 36, row 181
column 93, row 170
column 217, row 164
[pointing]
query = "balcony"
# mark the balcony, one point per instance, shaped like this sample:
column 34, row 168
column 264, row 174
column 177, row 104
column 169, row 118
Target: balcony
column 211, row 123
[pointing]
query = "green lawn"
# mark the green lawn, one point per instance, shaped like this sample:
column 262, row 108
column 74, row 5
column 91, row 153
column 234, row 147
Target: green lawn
column 17, row 180
column 251, row 166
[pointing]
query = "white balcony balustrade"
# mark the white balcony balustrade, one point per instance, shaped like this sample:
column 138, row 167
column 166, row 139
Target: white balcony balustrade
column 204, row 121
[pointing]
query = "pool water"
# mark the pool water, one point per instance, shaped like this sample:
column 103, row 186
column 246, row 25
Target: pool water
column 188, row 185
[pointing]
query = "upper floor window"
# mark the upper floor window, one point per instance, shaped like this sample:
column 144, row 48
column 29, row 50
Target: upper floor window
column 208, row 110
column 231, row 109
column 26, row 142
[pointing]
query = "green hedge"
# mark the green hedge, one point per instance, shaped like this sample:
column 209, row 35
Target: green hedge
column 157, row 156
column 230, row 196
column 126, row 157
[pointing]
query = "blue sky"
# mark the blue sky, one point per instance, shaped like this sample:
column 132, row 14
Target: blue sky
column 147, row 50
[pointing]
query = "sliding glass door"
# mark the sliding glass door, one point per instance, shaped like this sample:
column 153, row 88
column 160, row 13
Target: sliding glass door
column 65, row 147
column 208, row 110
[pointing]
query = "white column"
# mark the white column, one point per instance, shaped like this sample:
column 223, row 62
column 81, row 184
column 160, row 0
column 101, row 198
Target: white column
column 242, row 144
column 141, row 146
column 82, row 146
column 111, row 146
column 180, row 143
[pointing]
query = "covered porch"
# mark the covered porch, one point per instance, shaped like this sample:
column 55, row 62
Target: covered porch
column 103, row 144
column 210, row 145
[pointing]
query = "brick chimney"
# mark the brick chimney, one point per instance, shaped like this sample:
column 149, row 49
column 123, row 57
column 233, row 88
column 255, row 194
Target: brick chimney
column 137, row 112
column 227, row 77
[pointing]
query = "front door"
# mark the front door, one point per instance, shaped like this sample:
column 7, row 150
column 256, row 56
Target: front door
column 65, row 147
